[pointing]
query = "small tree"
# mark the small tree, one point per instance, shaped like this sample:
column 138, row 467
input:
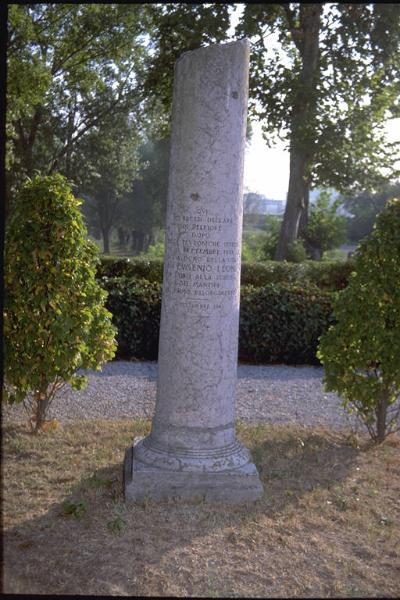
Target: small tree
column 326, row 229
column 361, row 352
column 54, row 320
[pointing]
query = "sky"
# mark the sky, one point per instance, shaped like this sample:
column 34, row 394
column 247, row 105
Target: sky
column 266, row 170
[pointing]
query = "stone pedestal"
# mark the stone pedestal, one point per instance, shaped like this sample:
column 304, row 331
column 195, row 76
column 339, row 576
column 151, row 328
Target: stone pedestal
column 192, row 450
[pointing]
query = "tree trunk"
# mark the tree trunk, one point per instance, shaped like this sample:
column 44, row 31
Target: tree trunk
column 314, row 252
column 381, row 414
column 295, row 204
column 121, row 236
column 134, row 241
column 7, row 198
column 106, row 240
column 146, row 241
column 72, row 104
column 306, row 38
column 303, row 224
column 140, row 242
column 40, row 410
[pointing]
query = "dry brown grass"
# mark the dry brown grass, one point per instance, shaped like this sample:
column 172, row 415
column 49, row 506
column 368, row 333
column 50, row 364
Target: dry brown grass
column 328, row 524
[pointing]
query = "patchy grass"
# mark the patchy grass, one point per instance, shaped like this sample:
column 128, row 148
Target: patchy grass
column 328, row 524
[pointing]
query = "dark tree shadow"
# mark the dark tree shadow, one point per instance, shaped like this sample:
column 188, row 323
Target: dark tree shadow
column 112, row 547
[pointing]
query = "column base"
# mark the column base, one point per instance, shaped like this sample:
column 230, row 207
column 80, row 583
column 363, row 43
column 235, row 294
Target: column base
column 234, row 486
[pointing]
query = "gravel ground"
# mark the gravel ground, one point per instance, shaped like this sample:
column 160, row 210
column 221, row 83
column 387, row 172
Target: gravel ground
column 267, row 394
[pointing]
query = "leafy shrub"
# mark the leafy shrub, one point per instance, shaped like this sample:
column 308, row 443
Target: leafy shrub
column 269, row 247
column 55, row 321
column 332, row 275
column 282, row 323
column 361, row 352
column 154, row 251
column 272, row 227
column 329, row 276
column 296, row 252
column 77, row 509
column 260, row 274
column 142, row 268
column 326, row 229
column 136, row 308
column 252, row 244
column 277, row 322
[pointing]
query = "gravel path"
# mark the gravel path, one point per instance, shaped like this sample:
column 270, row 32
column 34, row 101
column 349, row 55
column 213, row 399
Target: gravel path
column 268, row 394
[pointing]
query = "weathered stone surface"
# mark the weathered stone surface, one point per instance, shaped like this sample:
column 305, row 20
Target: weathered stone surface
column 192, row 449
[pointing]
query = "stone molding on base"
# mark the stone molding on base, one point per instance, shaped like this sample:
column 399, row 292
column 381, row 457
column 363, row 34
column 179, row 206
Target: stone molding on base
column 145, row 481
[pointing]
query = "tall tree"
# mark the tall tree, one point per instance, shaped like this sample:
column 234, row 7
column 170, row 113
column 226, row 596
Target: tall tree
column 326, row 87
column 144, row 207
column 105, row 167
column 70, row 66
column 179, row 28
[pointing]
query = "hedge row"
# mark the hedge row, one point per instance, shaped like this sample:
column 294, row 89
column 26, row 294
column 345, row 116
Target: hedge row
column 330, row 276
column 282, row 323
column 149, row 269
column 278, row 322
column 136, row 307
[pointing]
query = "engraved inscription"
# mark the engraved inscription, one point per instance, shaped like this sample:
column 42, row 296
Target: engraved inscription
column 206, row 261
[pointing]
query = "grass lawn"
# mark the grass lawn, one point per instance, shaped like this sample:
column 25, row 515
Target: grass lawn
column 328, row 524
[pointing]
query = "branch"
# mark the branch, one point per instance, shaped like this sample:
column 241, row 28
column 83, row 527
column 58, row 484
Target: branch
column 21, row 134
column 89, row 123
column 295, row 31
column 57, row 67
column 34, row 126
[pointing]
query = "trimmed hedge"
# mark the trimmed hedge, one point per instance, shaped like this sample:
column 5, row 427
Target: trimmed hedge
column 136, row 307
column 332, row 275
column 282, row 323
column 278, row 322
column 151, row 270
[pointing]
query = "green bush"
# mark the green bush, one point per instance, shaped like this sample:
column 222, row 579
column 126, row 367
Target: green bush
column 54, row 317
column 326, row 229
column 361, row 352
column 277, row 322
column 296, row 252
column 154, row 251
column 329, row 275
column 282, row 323
column 252, row 244
column 142, row 268
column 260, row 274
column 136, row 307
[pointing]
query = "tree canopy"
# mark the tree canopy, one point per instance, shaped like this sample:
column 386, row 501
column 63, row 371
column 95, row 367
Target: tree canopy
column 323, row 77
column 70, row 66
column 326, row 87
column 364, row 208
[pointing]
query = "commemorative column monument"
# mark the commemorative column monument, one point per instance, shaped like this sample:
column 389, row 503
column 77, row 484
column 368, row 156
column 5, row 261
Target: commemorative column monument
column 192, row 450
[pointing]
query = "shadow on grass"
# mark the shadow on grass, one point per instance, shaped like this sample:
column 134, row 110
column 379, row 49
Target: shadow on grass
column 93, row 543
column 300, row 463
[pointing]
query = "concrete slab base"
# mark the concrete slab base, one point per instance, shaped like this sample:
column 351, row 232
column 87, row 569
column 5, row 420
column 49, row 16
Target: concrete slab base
column 235, row 486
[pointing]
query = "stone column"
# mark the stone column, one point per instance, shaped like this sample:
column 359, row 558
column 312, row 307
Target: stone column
column 192, row 450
